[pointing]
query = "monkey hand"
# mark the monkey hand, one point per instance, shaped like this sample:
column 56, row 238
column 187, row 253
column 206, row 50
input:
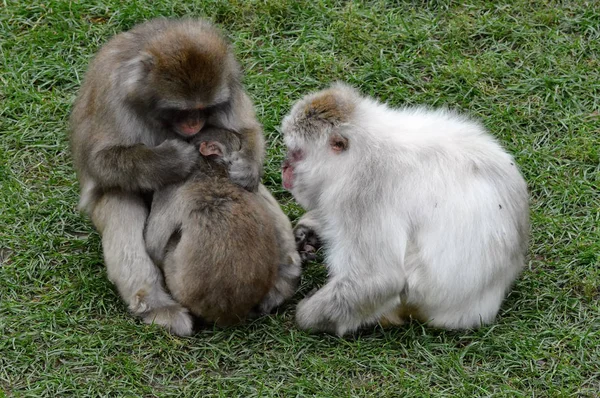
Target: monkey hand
column 307, row 242
column 243, row 171
column 178, row 158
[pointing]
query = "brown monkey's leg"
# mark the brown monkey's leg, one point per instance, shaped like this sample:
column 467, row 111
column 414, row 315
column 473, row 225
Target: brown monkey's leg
column 120, row 218
column 289, row 259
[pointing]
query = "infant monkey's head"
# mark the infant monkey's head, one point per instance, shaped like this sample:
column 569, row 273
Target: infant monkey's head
column 215, row 146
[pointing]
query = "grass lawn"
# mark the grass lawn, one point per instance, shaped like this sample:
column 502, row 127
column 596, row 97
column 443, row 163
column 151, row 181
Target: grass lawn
column 530, row 70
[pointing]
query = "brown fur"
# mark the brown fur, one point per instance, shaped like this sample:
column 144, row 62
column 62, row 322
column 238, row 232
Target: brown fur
column 329, row 106
column 216, row 242
column 126, row 140
column 188, row 67
column 226, row 261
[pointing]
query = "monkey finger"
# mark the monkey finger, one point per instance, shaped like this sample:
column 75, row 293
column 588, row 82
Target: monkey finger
column 307, row 257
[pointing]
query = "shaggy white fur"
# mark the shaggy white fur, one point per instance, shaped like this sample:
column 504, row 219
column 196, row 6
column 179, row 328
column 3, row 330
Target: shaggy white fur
column 422, row 213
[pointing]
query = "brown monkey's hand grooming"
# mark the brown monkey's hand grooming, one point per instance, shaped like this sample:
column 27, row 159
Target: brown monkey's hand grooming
column 243, row 171
column 139, row 167
column 176, row 159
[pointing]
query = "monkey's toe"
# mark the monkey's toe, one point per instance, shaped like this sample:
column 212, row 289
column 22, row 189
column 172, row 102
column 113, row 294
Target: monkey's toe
column 174, row 317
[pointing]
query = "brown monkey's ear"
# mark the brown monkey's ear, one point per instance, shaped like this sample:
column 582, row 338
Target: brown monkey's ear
column 146, row 60
column 135, row 71
column 338, row 143
column 211, row 148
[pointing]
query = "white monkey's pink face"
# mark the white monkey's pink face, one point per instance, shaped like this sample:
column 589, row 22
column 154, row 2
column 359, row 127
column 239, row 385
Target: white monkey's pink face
column 336, row 145
column 288, row 167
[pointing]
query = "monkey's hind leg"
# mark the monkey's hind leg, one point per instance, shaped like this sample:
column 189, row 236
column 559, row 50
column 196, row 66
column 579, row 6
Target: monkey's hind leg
column 289, row 260
column 345, row 304
column 120, row 218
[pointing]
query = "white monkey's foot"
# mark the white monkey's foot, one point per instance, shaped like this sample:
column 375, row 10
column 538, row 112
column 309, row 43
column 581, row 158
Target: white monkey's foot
column 321, row 315
column 307, row 242
column 309, row 317
column 164, row 311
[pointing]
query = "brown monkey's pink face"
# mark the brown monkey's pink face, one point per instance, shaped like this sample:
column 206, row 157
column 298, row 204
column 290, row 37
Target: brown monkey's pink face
column 189, row 122
column 290, row 162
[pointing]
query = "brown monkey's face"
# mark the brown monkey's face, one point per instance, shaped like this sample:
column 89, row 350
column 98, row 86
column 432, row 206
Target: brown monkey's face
column 186, row 123
column 186, row 79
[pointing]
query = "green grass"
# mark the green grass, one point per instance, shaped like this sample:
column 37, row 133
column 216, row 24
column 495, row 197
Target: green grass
column 529, row 70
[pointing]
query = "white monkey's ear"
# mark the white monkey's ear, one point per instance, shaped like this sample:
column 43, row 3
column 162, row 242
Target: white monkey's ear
column 338, row 143
column 212, row 148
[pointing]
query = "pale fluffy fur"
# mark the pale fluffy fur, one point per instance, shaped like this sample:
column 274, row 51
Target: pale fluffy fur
column 424, row 214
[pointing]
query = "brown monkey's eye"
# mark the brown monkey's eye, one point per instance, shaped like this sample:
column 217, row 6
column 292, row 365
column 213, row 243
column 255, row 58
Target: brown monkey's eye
column 338, row 143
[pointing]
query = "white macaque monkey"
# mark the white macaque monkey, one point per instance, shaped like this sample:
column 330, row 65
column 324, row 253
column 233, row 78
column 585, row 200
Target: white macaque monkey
column 421, row 213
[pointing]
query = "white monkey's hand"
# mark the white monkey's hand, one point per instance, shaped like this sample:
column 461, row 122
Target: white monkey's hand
column 243, row 171
column 307, row 242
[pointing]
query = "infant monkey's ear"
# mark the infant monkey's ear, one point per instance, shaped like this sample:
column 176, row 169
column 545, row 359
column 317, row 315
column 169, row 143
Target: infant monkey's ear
column 212, row 148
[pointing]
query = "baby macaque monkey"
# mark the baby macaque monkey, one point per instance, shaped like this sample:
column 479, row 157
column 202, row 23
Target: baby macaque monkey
column 146, row 93
column 421, row 213
column 217, row 243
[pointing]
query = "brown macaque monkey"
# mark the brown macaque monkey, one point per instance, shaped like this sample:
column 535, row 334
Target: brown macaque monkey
column 146, row 93
column 217, row 243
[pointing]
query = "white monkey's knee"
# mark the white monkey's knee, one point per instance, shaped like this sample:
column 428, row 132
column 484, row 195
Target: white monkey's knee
column 479, row 311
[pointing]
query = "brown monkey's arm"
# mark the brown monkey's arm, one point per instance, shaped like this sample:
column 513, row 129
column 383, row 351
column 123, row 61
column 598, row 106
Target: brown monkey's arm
column 245, row 165
column 139, row 168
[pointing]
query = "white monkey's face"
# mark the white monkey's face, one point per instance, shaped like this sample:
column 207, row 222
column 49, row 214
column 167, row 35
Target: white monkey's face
column 315, row 133
column 289, row 166
column 311, row 164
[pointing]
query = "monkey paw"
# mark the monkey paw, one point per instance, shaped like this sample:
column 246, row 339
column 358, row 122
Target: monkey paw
column 173, row 317
column 307, row 242
column 243, row 171
column 179, row 157
column 311, row 315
